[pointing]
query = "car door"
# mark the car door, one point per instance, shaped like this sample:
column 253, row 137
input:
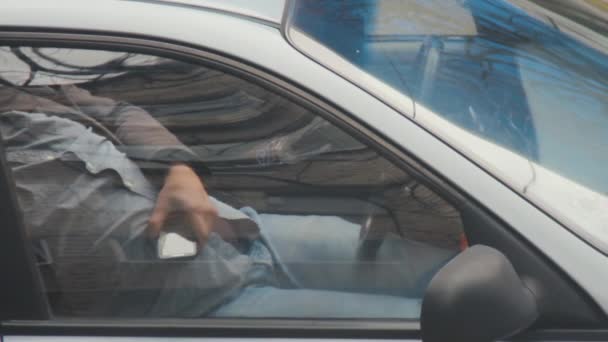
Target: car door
column 350, row 171
column 313, row 215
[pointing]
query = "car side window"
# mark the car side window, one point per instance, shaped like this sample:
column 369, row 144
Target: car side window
column 154, row 188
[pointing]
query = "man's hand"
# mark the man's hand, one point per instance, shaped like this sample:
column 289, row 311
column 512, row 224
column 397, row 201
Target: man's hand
column 184, row 194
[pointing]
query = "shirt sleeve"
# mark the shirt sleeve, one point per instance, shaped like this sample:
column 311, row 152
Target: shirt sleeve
column 141, row 136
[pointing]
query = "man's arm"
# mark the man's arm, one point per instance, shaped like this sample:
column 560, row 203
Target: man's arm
column 142, row 136
column 145, row 139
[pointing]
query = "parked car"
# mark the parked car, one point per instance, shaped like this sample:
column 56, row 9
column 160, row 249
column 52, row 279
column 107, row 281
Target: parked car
column 411, row 170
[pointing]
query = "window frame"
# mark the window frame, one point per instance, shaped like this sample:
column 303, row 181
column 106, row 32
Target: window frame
column 25, row 324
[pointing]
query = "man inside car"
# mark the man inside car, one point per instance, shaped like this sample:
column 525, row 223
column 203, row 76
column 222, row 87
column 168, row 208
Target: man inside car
column 85, row 198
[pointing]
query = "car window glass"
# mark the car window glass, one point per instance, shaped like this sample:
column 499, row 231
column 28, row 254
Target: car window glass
column 516, row 85
column 156, row 188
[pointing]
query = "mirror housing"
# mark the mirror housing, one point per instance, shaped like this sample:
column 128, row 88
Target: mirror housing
column 476, row 297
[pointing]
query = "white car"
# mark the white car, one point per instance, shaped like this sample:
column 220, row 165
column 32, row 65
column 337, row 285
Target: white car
column 380, row 169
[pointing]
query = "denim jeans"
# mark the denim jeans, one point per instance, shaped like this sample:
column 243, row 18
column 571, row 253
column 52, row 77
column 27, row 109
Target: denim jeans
column 318, row 257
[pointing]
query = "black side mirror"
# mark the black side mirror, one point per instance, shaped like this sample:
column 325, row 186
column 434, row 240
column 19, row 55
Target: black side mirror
column 476, row 297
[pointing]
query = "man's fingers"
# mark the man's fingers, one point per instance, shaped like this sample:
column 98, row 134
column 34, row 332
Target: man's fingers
column 201, row 227
column 155, row 224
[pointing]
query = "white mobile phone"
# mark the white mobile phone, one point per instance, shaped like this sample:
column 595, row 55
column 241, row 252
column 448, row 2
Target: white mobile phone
column 172, row 246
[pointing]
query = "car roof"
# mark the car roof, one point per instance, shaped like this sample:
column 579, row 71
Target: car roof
column 269, row 11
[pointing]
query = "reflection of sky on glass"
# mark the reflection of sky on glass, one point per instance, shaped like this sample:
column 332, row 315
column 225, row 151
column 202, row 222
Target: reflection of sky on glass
column 485, row 65
column 420, row 18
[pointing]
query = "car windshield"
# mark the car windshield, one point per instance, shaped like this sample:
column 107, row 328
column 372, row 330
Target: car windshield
column 519, row 86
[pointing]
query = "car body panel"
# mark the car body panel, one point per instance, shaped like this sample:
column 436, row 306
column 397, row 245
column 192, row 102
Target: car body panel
column 240, row 38
column 270, row 11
